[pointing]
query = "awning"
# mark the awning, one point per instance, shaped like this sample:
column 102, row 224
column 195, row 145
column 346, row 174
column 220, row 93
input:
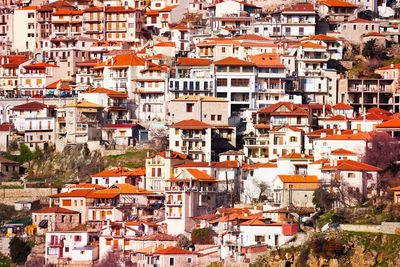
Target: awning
column 43, row 224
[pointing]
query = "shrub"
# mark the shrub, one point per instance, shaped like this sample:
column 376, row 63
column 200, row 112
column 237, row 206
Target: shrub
column 201, row 236
column 19, row 250
column 329, row 249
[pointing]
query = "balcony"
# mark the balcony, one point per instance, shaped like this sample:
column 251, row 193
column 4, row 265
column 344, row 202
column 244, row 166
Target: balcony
column 174, row 203
column 58, row 243
column 115, row 29
column 174, row 215
column 192, row 137
column 191, row 149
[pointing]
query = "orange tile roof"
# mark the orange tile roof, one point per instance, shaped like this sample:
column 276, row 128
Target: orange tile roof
column 118, row 9
column 267, row 60
column 29, row 8
column 66, row 12
column 252, row 37
column 168, row 8
column 231, row 61
column 118, row 189
column 341, row 151
column 298, row 178
column 336, row 118
column 55, row 209
column 182, row 28
column 259, row 222
column 173, row 251
column 357, row 136
column 196, row 174
column 191, row 124
column 39, row 66
column 91, row 186
column 378, row 110
column 74, row 193
column 358, row 20
column 295, row 155
column 311, row 45
column 186, row 61
column 351, row 165
column 373, row 117
column 110, row 93
column 137, row 172
column 295, row 129
column 317, row 133
column 342, row 106
column 336, row 3
column 290, row 109
column 300, row 8
column 260, row 165
column 391, row 66
column 393, row 123
column 152, row 13
column 397, row 188
column 114, row 172
column 169, row 44
column 173, row 155
column 374, row 34
column 321, row 37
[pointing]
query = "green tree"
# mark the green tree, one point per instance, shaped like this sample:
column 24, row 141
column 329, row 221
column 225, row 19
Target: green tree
column 183, row 242
column 322, row 199
column 19, row 250
column 369, row 49
column 201, row 236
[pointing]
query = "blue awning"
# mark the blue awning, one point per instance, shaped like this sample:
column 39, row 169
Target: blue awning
column 133, row 217
column 43, row 223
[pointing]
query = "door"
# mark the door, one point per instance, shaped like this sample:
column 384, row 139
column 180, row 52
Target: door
column 115, row 243
column 94, row 215
column 61, row 254
column 276, row 240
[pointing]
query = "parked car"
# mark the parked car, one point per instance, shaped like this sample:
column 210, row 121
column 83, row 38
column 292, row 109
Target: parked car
column 38, row 96
column 50, row 95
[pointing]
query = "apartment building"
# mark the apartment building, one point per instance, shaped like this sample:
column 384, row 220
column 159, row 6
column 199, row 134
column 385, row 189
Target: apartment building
column 334, row 46
column 337, row 11
column 193, row 76
column 36, row 121
column 10, row 69
column 353, row 30
column 368, row 93
column 36, row 76
column 6, row 27
column 93, row 23
column 66, row 23
column 122, row 23
column 27, row 38
column 78, row 122
column 190, row 194
column 159, row 169
column 236, row 83
column 191, row 137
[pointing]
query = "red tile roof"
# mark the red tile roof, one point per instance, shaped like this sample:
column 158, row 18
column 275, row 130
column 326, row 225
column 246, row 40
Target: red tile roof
column 298, row 178
column 182, row 28
column 267, row 60
column 74, row 193
column 358, row 20
column 391, row 66
column 138, row 172
column 158, row 237
column 336, row 118
column 186, row 61
column 373, row 117
column 351, row 165
column 393, row 123
column 6, row 127
column 30, row 106
column 374, row 34
column 231, row 61
column 295, row 155
column 353, row 136
column 295, row 129
column 168, row 8
column 196, row 174
column 114, row 172
column 299, row 9
column 55, row 209
column 7, row 161
column 321, row 37
column 163, row 44
column 336, row 3
column 173, row 251
column 172, row 155
column 252, row 37
column 119, row 9
column 378, row 110
column 341, row 151
column 40, row 66
column 282, row 108
column 191, row 124
column 342, row 106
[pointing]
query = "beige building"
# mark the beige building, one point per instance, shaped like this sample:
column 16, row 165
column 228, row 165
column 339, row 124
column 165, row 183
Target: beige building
column 159, row 169
column 207, row 109
column 190, row 194
column 191, row 137
column 26, row 32
column 353, row 30
column 54, row 219
column 78, row 122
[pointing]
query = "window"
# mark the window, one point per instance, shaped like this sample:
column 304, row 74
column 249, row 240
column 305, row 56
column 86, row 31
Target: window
column 108, row 242
column 66, row 249
column 171, row 261
column 189, row 107
column 351, row 175
column 159, row 172
column 78, row 238
column 259, row 238
column 66, row 202
column 63, row 218
column 176, row 143
column 213, row 117
column 354, row 27
column 293, row 139
column 189, row 260
column 240, row 82
column 222, row 82
column 223, row 49
column 219, row 117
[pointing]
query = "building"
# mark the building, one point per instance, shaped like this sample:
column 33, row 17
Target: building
column 190, row 194
column 191, row 137
column 54, row 219
column 27, row 28
column 353, row 30
column 36, row 122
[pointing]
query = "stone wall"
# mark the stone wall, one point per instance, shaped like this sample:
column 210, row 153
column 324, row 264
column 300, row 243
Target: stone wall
column 390, row 227
column 10, row 196
column 361, row 228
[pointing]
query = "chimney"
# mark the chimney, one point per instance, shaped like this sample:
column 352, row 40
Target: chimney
column 339, row 132
column 355, row 131
column 335, row 162
column 392, row 66
column 323, row 134
column 148, row 153
column 168, row 153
